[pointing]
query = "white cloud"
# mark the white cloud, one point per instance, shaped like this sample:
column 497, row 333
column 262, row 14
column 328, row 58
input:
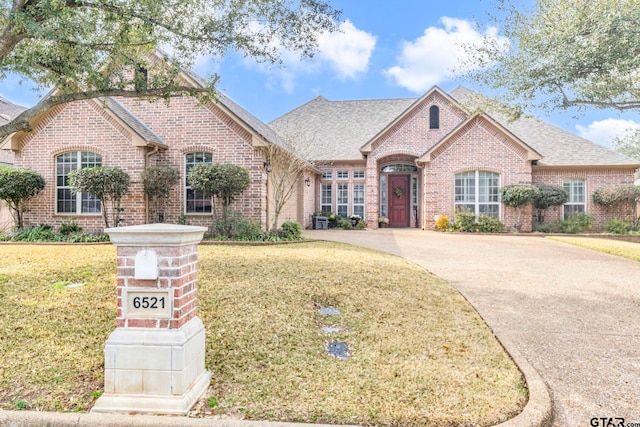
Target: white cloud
column 347, row 52
column 432, row 57
column 605, row 131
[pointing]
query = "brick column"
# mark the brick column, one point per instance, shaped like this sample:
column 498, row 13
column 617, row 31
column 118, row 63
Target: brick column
column 154, row 360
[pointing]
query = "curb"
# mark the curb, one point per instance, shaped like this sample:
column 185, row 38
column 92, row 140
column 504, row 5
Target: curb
column 55, row 419
column 539, row 409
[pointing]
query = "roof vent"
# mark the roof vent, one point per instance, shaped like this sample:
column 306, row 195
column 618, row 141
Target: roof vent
column 5, row 116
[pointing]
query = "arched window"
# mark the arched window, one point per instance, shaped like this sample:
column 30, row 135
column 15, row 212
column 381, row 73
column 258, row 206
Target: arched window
column 196, row 201
column 399, row 168
column 68, row 202
column 434, row 117
column 478, row 192
column 577, row 202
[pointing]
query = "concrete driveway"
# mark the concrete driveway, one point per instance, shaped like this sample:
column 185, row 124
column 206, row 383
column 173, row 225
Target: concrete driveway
column 573, row 313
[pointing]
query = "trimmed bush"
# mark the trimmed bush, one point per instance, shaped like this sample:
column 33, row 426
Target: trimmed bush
column 617, row 226
column 291, row 230
column 442, row 223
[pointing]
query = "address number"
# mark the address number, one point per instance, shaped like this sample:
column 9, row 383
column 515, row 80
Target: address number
column 148, row 304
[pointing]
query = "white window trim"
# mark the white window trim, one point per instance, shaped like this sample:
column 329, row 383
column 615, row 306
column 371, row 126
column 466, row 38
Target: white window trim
column 571, row 181
column 78, row 195
column 476, row 201
column 186, row 187
column 364, row 199
column 322, row 203
column 342, row 178
column 342, row 187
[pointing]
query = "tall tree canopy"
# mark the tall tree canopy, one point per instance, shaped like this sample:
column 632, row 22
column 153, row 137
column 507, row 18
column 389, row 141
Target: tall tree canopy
column 87, row 48
column 565, row 53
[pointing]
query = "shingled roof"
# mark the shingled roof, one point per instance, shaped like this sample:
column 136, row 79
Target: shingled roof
column 132, row 121
column 342, row 127
column 9, row 110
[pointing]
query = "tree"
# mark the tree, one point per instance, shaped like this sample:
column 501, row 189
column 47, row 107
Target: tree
column 17, row 186
column 157, row 182
column 88, row 49
column 222, row 181
column 564, row 53
column 548, row 196
column 288, row 161
column 107, row 184
column 517, row 196
column 629, row 145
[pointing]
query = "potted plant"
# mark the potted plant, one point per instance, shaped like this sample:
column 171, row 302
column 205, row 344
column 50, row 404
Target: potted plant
column 383, row 221
column 355, row 219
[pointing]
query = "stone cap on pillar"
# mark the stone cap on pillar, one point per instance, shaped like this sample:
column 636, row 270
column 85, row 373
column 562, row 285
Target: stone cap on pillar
column 156, row 235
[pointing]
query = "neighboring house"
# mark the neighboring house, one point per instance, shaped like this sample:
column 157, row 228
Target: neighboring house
column 410, row 160
column 8, row 111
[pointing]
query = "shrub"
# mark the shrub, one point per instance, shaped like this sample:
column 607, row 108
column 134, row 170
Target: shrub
column 107, row 184
column 234, row 226
column 291, row 230
column 70, row 227
column 361, row 225
column 576, row 224
column 517, row 196
column 465, row 222
column 17, row 186
column 157, row 182
column 489, row 224
column 617, row 226
column 548, row 196
column 442, row 223
column 628, row 195
column 345, row 224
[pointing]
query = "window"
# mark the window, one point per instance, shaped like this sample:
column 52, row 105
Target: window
column 434, row 117
column 358, row 199
column 327, row 174
column 399, row 168
column 383, row 195
column 343, row 200
column 343, row 174
column 196, row 201
column 358, row 174
column 66, row 201
column 477, row 192
column 326, row 198
column 577, row 201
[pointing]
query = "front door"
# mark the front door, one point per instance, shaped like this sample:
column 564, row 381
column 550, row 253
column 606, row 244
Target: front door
column 398, row 198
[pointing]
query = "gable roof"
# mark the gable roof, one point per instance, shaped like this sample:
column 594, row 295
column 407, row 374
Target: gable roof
column 340, row 128
column 343, row 128
column 557, row 146
column 531, row 153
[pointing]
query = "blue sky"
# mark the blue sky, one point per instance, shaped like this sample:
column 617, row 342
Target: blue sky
column 385, row 50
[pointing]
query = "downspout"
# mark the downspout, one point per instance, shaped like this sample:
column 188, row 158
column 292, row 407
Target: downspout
column 146, row 196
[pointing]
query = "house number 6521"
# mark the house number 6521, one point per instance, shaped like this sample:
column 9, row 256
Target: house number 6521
column 148, row 302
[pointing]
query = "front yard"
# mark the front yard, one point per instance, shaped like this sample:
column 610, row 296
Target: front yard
column 418, row 352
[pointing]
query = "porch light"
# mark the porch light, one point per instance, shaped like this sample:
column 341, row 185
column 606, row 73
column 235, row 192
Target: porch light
column 267, row 166
column 307, row 181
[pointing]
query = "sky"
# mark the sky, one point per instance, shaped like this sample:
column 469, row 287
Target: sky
column 385, row 50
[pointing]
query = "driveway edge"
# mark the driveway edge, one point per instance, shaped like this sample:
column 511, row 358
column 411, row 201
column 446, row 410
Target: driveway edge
column 539, row 408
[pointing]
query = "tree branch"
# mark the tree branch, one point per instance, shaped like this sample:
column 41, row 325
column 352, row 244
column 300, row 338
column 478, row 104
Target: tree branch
column 22, row 121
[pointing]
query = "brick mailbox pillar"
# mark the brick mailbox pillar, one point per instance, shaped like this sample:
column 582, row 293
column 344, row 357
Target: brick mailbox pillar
column 154, row 360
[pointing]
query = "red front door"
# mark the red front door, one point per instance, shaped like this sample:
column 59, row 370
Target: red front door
column 398, row 198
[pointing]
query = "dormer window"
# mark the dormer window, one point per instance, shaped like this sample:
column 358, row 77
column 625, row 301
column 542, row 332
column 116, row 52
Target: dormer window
column 434, row 117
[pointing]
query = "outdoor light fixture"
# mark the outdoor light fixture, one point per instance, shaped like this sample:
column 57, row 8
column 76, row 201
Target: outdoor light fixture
column 267, row 166
column 307, row 181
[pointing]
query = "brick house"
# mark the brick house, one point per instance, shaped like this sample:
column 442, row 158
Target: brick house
column 8, row 111
column 410, row 160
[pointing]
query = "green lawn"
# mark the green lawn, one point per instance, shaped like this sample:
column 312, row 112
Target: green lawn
column 621, row 248
column 419, row 353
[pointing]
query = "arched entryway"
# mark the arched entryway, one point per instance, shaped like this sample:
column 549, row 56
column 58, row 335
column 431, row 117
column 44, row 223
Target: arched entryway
column 399, row 198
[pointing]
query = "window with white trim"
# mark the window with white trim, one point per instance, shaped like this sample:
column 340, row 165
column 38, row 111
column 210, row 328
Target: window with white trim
column 478, row 192
column 68, row 202
column 358, row 199
column 343, row 174
column 327, row 174
column 358, row 174
column 577, row 202
column 196, row 202
column 326, row 198
column 342, row 201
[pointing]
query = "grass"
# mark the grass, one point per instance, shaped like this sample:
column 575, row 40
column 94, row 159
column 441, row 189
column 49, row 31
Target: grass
column 419, row 353
column 621, row 248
